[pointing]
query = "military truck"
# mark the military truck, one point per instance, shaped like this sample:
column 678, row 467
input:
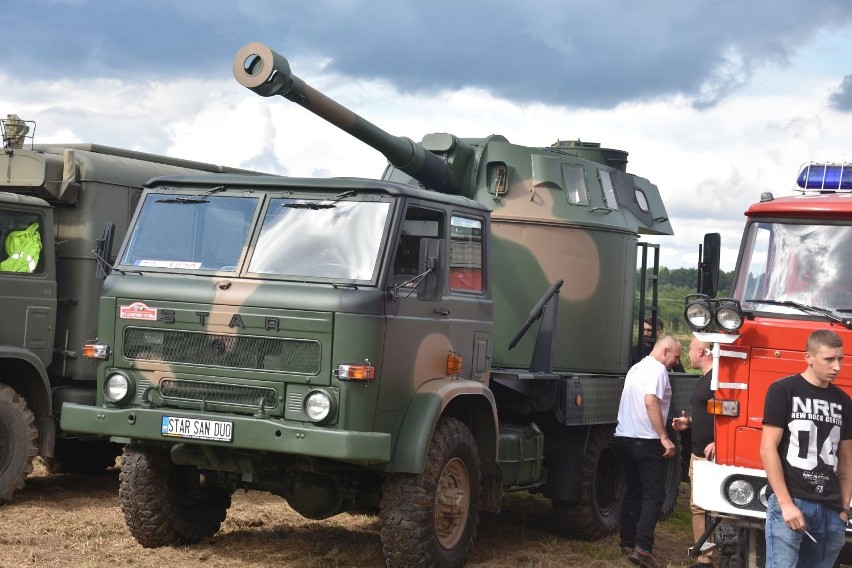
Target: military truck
column 63, row 211
column 375, row 344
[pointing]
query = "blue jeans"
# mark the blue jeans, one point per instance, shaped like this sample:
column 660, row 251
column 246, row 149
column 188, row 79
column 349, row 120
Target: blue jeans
column 645, row 489
column 786, row 548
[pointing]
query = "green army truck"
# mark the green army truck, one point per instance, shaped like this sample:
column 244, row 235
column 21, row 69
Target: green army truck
column 61, row 209
column 373, row 344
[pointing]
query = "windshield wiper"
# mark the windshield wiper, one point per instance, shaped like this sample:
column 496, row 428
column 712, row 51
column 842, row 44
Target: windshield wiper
column 190, row 199
column 846, row 322
column 324, row 204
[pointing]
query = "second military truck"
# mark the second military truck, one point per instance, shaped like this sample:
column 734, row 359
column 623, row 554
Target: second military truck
column 352, row 343
column 64, row 209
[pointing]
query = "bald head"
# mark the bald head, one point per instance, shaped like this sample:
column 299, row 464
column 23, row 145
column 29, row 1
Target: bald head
column 667, row 351
column 700, row 356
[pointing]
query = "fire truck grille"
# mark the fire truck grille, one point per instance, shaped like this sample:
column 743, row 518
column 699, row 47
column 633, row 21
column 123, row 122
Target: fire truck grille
column 218, row 393
column 298, row 356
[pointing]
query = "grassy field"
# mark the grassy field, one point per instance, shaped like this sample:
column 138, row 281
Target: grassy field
column 75, row 520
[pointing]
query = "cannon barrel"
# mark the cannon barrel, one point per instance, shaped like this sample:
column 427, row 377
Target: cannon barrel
column 260, row 69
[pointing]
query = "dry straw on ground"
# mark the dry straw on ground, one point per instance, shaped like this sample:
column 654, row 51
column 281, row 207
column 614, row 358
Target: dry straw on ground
column 75, row 520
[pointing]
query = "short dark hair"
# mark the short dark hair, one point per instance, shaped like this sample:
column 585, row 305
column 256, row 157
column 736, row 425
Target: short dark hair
column 650, row 322
column 823, row 338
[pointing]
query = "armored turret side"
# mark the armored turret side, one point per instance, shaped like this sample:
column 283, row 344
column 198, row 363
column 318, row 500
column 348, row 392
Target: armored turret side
column 556, row 215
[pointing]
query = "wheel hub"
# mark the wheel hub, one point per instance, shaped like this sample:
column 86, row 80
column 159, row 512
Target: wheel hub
column 452, row 503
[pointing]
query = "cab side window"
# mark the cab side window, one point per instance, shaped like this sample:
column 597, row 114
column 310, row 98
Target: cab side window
column 465, row 254
column 20, row 242
column 419, row 223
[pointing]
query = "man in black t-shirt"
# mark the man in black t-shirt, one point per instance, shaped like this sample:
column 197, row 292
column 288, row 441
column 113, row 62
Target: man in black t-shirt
column 703, row 444
column 806, row 448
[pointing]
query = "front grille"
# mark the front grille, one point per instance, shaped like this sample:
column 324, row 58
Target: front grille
column 218, row 393
column 298, row 356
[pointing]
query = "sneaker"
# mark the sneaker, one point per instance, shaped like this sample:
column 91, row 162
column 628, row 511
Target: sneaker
column 625, row 550
column 642, row 558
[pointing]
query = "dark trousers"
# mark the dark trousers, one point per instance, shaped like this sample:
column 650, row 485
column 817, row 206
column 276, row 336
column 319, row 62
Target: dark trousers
column 645, row 489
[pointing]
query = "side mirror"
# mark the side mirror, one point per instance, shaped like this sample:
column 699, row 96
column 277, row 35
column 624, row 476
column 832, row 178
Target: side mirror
column 103, row 247
column 708, row 265
column 429, row 263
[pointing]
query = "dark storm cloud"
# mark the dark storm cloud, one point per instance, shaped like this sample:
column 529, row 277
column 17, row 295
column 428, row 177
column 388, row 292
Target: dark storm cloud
column 590, row 54
column 841, row 99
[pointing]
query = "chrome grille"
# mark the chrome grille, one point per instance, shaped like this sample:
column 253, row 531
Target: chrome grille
column 298, row 356
column 218, row 393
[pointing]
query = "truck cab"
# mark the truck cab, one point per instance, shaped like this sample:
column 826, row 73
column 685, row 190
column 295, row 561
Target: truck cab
column 296, row 335
column 64, row 209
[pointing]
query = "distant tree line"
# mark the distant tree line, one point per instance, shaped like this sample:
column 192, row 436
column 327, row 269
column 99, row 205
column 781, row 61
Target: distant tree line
column 674, row 285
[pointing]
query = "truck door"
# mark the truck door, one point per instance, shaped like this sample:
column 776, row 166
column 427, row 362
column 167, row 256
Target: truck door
column 469, row 297
column 27, row 280
column 417, row 342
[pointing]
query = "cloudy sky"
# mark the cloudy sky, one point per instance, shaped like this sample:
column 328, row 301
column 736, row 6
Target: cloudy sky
column 716, row 101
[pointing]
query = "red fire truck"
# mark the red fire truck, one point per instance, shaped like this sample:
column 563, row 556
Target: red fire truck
column 793, row 276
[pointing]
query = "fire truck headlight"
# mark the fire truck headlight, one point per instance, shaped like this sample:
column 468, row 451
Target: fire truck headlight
column 729, row 315
column 697, row 311
column 740, row 492
column 318, row 406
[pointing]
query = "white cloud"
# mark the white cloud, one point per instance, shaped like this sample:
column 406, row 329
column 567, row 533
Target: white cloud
column 709, row 164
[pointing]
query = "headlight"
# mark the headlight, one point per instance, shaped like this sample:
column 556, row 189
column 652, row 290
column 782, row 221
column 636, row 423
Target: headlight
column 118, row 387
column 697, row 311
column 729, row 315
column 740, row 492
column 318, row 406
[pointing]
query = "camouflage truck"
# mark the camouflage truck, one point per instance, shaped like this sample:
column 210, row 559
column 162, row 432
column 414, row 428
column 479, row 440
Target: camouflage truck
column 61, row 209
column 363, row 344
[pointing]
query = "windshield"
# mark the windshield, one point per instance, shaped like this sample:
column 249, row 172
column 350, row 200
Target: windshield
column 807, row 264
column 321, row 239
column 190, row 233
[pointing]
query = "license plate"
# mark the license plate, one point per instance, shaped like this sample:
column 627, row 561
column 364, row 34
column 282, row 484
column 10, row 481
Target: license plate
column 197, row 429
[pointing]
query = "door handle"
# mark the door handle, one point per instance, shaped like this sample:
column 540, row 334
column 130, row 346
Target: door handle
column 442, row 311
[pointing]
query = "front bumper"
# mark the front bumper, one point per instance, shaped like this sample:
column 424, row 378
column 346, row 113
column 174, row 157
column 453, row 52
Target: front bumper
column 249, row 433
column 708, row 482
column 708, row 487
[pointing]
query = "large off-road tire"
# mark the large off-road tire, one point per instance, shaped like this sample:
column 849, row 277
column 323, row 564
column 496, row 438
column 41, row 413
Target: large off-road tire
column 18, row 442
column 673, row 467
column 601, row 491
column 429, row 519
column 163, row 503
column 90, row 457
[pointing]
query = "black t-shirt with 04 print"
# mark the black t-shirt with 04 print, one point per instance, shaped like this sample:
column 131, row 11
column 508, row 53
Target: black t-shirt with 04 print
column 814, row 420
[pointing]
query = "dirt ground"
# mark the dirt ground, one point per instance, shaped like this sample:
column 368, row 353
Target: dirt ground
column 75, row 520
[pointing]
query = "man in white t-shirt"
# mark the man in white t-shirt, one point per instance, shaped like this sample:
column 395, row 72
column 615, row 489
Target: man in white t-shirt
column 643, row 446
